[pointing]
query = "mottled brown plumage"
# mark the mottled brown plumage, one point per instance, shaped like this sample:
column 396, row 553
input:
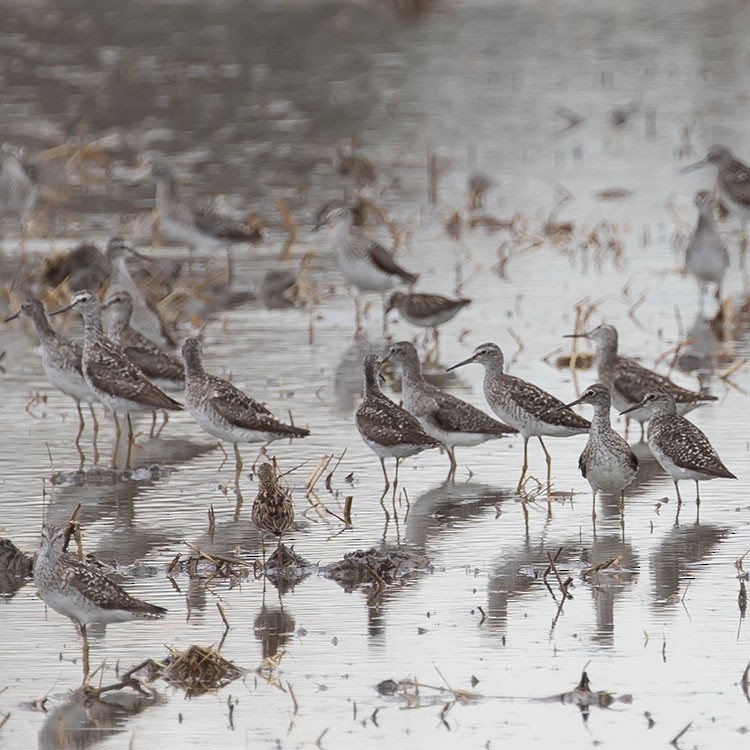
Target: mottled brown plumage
column 425, row 310
column 387, row 429
column 115, row 380
column 81, row 590
column 223, row 410
column 154, row 362
column 273, row 509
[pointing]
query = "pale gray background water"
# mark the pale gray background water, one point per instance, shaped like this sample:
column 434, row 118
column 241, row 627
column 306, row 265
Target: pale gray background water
column 251, row 98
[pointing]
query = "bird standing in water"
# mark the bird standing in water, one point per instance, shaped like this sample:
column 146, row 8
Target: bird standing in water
column 680, row 448
column 387, row 429
column 273, row 509
column 607, row 461
column 524, row 406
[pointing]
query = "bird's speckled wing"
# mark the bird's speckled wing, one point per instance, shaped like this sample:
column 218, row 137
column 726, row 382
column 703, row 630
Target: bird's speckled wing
column 385, row 262
column 454, row 415
column 542, row 404
column 224, row 227
column 686, row 445
column 634, row 381
column 245, row 412
column 85, row 578
column 427, row 305
column 388, row 424
column 152, row 361
column 110, row 371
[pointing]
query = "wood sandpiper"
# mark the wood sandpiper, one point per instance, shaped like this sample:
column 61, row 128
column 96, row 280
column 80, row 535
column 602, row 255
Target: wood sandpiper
column 442, row 416
column 524, row 406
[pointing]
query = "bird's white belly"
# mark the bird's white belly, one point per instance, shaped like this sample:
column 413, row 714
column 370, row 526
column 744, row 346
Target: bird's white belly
column 69, row 383
column 363, row 274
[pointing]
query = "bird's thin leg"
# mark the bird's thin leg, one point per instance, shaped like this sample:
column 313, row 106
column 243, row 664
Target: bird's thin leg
column 395, row 484
column 385, row 315
column 622, row 513
column 385, row 510
column 593, row 506
column 697, row 493
column 130, row 440
column 81, row 424
column 643, row 431
column 81, row 455
column 153, row 424
column 84, row 652
column 237, row 471
column 163, row 424
column 385, row 474
column 525, row 464
column 95, row 422
column 454, row 465
column 230, row 265
column 549, row 463
column 677, row 489
column 118, row 435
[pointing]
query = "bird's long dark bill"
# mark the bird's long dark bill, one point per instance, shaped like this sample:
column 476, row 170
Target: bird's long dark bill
column 632, row 408
column 575, row 335
column 566, row 406
column 63, row 309
column 697, row 165
column 12, row 317
column 460, row 364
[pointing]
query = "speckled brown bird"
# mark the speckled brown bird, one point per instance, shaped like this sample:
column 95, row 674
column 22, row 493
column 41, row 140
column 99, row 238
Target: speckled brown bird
column 224, row 411
column 273, row 509
column 680, row 448
column 425, row 310
column 443, row 416
column 387, row 429
column 161, row 367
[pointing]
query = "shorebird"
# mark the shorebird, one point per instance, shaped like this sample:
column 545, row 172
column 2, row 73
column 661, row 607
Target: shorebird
column 442, row 416
column 160, row 367
column 426, row 310
column 224, row 411
column 387, row 429
column 680, row 448
column 18, row 192
column 198, row 226
column 273, row 509
column 733, row 179
column 628, row 382
column 607, row 461
column 61, row 360
column 365, row 263
column 524, row 406
column 114, row 379
column 81, row 590
column 145, row 318
column 706, row 256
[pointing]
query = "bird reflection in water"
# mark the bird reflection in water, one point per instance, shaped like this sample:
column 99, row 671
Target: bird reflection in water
column 85, row 721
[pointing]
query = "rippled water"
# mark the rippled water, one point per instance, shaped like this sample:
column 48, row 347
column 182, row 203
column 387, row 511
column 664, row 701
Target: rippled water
column 252, row 100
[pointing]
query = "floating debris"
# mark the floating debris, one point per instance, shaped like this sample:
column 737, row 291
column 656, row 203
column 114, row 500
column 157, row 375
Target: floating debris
column 377, row 568
column 198, row 670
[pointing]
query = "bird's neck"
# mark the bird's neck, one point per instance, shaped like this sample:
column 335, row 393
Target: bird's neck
column 600, row 422
column 45, row 331
column 193, row 366
column 117, row 324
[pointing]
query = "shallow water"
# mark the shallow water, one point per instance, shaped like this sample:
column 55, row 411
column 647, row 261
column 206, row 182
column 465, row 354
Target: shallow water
column 252, row 99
